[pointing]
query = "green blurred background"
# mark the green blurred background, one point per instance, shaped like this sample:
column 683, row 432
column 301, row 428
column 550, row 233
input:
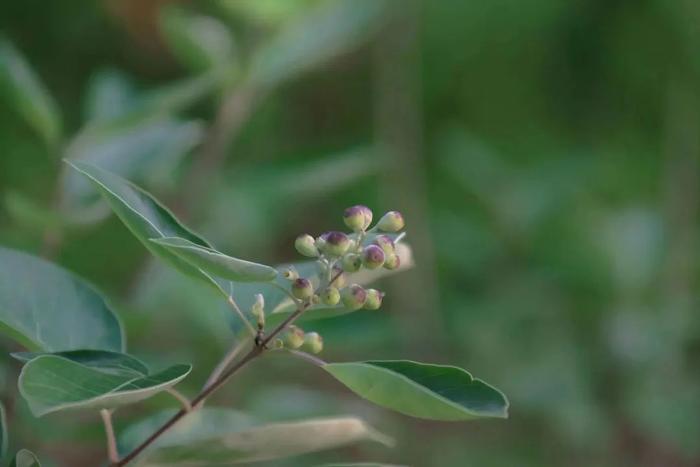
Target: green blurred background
column 545, row 154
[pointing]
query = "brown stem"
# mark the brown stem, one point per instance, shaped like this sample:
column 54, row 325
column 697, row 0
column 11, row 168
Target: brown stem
column 253, row 353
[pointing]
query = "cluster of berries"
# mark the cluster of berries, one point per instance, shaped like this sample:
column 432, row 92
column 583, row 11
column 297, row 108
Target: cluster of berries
column 338, row 253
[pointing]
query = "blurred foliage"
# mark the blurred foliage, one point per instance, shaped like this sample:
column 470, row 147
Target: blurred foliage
column 553, row 185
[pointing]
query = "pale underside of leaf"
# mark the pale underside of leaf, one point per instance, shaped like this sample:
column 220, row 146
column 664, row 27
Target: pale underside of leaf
column 50, row 383
column 217, row 436
column 25, row 458
column 217, row 263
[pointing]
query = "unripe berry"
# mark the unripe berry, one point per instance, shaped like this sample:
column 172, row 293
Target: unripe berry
column 392, row 221
column 313, row 342
column 258, row 309
column 302, row 289
column 385, row 243
column 293, row 337
column 358, row 218
column 306, row 245
column 392, row 261
column 330, row 296
column 372, row 257
column 351, row 262
column 374, row 299
column 316, row 299
column 290, row 274
column 335, row 243
column 353, row 297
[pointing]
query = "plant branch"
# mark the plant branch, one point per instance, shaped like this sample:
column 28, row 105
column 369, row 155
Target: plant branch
column 109, row 432
column 308, row 357
column 255, row 351
column 181, row 398
column 236, row 308
column 225, row 362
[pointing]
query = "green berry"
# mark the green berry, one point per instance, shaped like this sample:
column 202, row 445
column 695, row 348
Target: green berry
column 385, row 243
column 313, row 342
column 258, row 309
column 290, row 274
column 335, row 243
column 392, row 261
column 293, row 337
column 353, row 297
column 373, row 257
column 358, row 218
column 330, row 296
column 351, row 262
column 302, row 288
column 374, row 299
column 392, row 221
column 306, row 245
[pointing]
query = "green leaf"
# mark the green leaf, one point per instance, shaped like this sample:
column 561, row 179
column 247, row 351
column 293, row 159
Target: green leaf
column 25, row 458
column 219, row 436
column 199, row 42
column 216, row 263
column 108, row 362
column 144, row 216
column 49, row 309
column 323, row 33
column 3, row 432
column 436, row 392
column 135, row 148
column 50, row 383
column 20, row 85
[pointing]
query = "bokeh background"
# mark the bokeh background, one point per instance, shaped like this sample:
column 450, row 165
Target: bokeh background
column 545, row 154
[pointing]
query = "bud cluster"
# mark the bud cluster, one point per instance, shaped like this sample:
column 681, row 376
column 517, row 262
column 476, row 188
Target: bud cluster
column 339, row 253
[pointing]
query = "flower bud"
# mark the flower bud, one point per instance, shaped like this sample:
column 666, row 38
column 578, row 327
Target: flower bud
column 302, row 288
column 385, row 243
column 374, row 299
column 392, row 261
column 372, row 257
column 258, row 309
column 335, row 243
column 351, row 262
column 392, row 221
column 278, row 344
column 358, row 218
column 293, row 337
column 290, row 274
column 353, row 297
column 313, row 342
column 340, row 280
column 330, row 296
column 306, row 245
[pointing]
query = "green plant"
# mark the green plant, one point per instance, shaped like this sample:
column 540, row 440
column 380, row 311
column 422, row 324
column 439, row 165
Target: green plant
column 77, row 356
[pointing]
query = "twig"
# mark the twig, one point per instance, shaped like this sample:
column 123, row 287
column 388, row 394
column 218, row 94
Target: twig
column 255, row 351
column 181, row 398
column 235, row 307
column 109, row 432
column 225, row 362
column 308, row 357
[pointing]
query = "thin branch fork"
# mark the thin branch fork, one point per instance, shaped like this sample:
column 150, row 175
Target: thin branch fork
column 258, row 348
